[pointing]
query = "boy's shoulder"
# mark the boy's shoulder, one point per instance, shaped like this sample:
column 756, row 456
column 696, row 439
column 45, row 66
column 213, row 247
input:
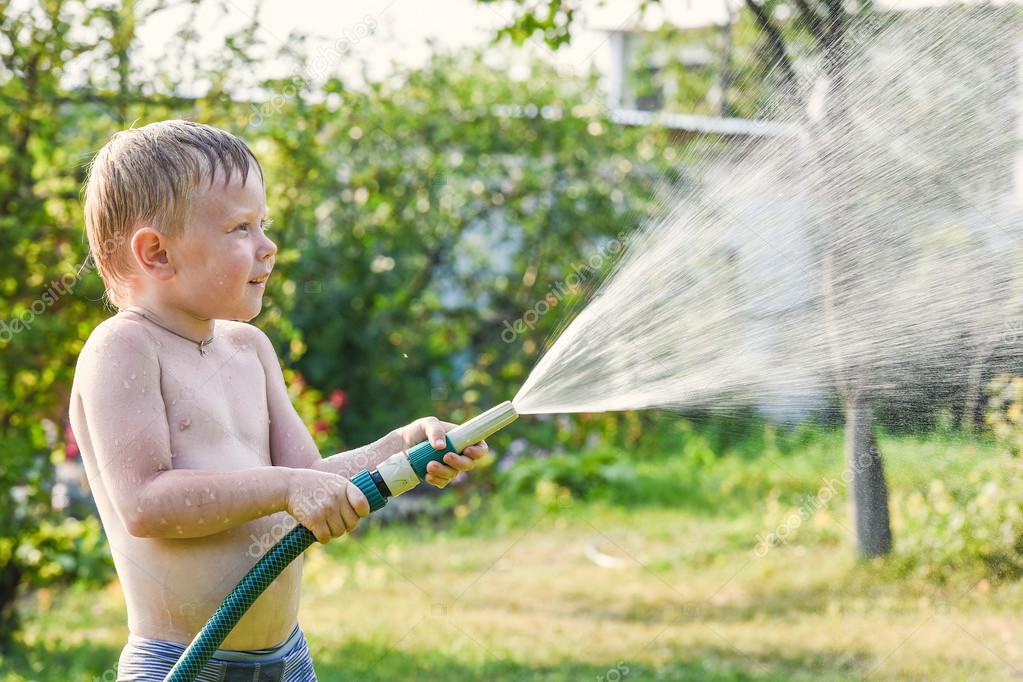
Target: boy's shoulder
column 236, row 329
column 114, row 336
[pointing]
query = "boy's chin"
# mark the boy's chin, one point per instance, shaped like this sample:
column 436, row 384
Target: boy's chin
column 248, row 315
column 243, row 312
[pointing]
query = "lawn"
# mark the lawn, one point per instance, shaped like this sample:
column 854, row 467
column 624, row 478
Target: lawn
column 601, row 589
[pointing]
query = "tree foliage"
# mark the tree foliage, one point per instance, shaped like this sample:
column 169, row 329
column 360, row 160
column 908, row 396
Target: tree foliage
column 418, row 218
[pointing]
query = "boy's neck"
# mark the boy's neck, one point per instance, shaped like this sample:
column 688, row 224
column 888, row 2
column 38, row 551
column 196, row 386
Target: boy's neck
column 174, row 319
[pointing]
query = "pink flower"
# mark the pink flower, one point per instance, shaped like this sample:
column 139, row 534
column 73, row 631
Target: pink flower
column 320, row 426
column 338, row 398
column 71, row 449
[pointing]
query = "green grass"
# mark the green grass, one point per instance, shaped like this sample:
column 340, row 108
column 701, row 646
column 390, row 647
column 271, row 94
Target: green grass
column 509, row 592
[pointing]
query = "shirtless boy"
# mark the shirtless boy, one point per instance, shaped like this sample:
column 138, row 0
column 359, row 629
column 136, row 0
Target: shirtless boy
column 189, row 439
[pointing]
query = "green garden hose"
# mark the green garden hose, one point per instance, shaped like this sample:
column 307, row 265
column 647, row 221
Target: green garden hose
column 395, row 475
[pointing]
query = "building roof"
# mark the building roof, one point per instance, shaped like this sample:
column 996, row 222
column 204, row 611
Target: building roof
column 704, row 124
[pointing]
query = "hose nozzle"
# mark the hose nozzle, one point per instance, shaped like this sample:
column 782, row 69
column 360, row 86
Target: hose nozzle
column 403, row 471
column 482, row 426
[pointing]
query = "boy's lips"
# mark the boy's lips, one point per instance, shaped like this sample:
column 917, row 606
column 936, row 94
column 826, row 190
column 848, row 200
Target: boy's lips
column 260, row 281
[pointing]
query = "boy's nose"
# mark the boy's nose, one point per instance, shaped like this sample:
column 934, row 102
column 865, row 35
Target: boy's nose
column 267, row 249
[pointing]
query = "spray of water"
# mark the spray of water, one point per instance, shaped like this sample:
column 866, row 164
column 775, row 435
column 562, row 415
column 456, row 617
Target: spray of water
column 877, row 248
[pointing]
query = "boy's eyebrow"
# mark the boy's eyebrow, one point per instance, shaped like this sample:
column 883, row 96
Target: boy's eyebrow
column 246, row 215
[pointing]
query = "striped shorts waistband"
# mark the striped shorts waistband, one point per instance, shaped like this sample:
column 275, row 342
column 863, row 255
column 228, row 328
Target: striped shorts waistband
column 150, row 660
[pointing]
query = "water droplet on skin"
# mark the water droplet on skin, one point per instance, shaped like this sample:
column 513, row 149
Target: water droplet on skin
column 133, row 375
column 184, row 424
column 138, row 509
column 125, row 384
column 188, row 502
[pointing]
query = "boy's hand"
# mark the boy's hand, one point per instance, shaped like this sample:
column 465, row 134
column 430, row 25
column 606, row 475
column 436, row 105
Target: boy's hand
column 430, row 428
column 327, row 504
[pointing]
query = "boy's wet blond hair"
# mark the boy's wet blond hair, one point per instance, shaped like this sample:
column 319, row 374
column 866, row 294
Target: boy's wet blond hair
column 146, row 176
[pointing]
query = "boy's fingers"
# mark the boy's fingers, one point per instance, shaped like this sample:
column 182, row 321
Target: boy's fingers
column 441, row 471
column 358, row 501
column 459, row 462
column 349, row 517
column 336, row 525
column 321, row 531
column 476, row 450
column 441, row 476
column 435, row 432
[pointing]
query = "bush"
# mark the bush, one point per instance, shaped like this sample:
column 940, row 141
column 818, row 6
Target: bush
column 69, row 551
column 974, row 527
column 637, row 458
column 51, row 553
column 1005, row 412
column 580, row 475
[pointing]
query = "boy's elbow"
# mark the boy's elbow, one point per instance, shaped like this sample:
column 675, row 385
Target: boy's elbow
column 136, row 516
column 136, row 525
column 137, row 512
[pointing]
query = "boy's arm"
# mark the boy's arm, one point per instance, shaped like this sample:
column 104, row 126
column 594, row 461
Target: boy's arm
column 119, row 383
column 291, row 444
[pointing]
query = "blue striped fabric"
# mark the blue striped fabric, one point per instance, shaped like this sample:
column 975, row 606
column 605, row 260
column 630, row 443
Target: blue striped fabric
column 151, row 660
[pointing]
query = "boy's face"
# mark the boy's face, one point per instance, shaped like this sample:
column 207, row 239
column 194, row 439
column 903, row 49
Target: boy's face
column 222, row 249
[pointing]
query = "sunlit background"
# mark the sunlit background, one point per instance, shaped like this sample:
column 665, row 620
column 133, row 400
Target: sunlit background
column 451, row 184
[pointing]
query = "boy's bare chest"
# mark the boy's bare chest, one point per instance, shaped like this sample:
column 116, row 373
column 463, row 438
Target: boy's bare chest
column 216, row 409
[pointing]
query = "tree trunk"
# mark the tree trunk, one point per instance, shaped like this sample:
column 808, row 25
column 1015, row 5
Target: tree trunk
column 827, row 23
column 973, row 386
column 869, row 490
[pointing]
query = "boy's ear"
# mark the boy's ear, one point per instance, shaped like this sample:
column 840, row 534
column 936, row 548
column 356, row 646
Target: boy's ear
column 150, row 250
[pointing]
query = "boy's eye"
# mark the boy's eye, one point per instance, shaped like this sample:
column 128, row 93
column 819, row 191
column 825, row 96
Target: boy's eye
column 265, row 225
